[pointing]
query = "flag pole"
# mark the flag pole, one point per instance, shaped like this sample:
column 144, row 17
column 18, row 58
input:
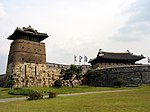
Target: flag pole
column 75, row 60
column 85, row 59
column 80, row 58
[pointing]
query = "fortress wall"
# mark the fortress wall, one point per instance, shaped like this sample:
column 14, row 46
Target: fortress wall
column 60, row 66
column 130, row 74
column 105, row 65
column 57, row 66
column 31, row 74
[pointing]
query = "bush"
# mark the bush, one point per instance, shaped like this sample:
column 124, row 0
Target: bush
column 58, row 83
column 10, row 83
column 52, row 95
column 93, row 77
column 35, row 96
column 119, row 82
column 20, row 91
column 2, row 83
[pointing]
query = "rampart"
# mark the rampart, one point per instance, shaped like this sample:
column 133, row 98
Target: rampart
column 133, row 74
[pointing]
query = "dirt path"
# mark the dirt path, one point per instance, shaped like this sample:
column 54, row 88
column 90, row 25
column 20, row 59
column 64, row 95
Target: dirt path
column 84, row 93
column 72, row 94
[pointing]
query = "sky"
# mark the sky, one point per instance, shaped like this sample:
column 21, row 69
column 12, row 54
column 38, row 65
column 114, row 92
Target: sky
column 78, row 27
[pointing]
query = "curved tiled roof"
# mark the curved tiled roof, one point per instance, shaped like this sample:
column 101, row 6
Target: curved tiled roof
column 28, row 31
column 120, row 56
column 116, row 57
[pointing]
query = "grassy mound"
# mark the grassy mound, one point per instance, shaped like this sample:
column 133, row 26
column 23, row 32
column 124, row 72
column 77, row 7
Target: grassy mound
column 20, row 91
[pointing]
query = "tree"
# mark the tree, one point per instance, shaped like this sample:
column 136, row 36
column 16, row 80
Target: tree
column 72, row 73
column 92, row 77
column 119, row 82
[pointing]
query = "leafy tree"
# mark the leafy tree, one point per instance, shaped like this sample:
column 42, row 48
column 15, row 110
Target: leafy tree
column 72, row 73
column 92, row 77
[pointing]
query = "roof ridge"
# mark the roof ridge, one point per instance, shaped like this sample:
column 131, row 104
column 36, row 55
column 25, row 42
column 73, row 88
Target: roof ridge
column 115, row 52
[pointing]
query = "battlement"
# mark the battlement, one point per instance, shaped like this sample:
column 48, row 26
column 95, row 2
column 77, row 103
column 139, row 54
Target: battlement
column 63, row 66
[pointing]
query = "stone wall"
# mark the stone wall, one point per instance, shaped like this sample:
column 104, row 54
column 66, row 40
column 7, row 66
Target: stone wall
column 63, row 66
column 134, row 74
column 31, row 74
column 131, row 74
column 58, row 67
column 106, row 65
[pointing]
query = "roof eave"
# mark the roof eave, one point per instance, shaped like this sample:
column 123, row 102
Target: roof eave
column 17, row 31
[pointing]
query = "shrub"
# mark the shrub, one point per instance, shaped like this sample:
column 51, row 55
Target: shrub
column 10, row 83
column 17, row 88
column 119, row 82
column 20, row 91
column 35, row 96
column 58, row 83
column 51, row 95
column 2, row 83
column 93, row 77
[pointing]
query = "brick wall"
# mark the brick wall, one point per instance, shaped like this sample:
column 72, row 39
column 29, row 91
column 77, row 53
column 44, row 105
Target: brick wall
column 27, row 51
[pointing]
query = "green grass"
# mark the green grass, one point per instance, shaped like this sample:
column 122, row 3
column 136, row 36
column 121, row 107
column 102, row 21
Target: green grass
column 76, row 89
column 62, row 90
column 4, row 93
column 137, row 100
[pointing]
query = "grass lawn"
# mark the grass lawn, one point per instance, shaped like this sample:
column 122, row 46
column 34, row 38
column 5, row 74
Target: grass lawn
column 76, row 89
column 62, row 90
column 4, row 93
column 137, row 100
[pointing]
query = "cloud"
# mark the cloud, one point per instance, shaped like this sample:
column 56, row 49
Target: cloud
column 2, row 12
column 137, row 28
column 140, row 12
column 133, row 32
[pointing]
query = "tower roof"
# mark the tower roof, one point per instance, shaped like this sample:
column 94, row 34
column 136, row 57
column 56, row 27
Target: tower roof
column 27, row 31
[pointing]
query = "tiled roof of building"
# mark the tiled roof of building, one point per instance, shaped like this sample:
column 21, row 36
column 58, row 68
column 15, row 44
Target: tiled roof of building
column 28, row 31
column 127, row 56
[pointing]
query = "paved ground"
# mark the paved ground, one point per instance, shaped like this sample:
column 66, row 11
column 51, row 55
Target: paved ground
column 72, row 94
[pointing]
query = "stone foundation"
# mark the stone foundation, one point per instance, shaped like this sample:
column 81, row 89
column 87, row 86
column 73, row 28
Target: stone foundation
column 31, row 74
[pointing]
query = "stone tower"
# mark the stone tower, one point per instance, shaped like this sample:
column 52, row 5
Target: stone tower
column 27, row 58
